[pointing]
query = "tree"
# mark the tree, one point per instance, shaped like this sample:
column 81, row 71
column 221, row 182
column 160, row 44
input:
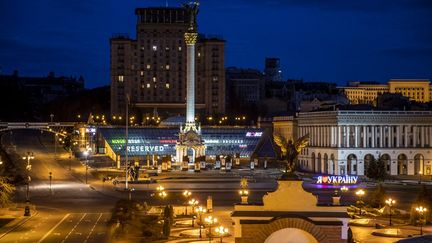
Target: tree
column 6, row 191
column 376, row 169
column 378, row 196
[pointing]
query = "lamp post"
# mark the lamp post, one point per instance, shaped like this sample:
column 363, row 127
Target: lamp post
column 244, row 196
column 161, row 192
column 344, row 189
column 50, row 180
column 86, row 154
column 200, row 211
column 390, row 202
column 193, row 202
column 421, row 210
column 29, row 157
column 210, row 221
column 360, row 193
column 127, row 141
column 221, row 231
column 186, row 194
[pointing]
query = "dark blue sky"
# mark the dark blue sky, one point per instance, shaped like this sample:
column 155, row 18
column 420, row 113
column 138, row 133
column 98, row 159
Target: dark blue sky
column 317, row 40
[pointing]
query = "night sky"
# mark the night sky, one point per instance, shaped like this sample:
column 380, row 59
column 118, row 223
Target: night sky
column 317, row 40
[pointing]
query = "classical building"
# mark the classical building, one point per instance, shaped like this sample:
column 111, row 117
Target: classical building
column 419, row 90
column 151, row 69
column 344, row 142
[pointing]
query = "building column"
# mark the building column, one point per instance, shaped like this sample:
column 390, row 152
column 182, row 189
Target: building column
column 390, row 137
column 364, row 136
column 422, row 135
column 339, row 136
column 373, row 136
column 347, row 136
column 415, row 136
column 333, row 136
column 398, row 135
column 356, row 136
column 381, row 136
column 406, row 136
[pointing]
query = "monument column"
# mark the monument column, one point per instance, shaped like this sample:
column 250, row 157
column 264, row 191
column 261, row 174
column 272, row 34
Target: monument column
column 190, row 39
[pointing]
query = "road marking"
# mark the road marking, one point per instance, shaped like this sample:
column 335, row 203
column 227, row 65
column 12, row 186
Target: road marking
column 91, row 231
column 67, row 236
column 55, row 226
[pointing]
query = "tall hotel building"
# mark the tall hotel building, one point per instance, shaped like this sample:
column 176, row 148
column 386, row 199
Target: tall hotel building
column 151, row 70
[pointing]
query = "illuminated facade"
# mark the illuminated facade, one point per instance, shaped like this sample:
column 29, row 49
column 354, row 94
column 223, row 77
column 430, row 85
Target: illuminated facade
column 344, row 142
column 419, row 90
column 160, row 142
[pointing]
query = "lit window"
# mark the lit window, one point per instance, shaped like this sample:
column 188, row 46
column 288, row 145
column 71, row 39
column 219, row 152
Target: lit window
column 179, row 48
column 154, row 79
column 167, row 67
column 148, row 85
column 167, row 48
column 120, row 78
column 199, row 54
column 148, row 66
column 167, row 85
column 215, row 78
column 142, row 73
column 154, row 48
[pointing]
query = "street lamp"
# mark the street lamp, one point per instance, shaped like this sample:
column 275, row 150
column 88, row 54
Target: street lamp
column 390, row 202
column 221, row 231
column 186, row 194
column 29, row 157
column 421, row 210
column 360, row 193
column 244, row 196
column 210, row 221
column 344, row 189
column 200, row 211
column 86, row 154
column 193, row 202
column 161, row 192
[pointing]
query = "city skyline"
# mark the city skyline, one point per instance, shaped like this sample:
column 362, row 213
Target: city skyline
column 375, row 41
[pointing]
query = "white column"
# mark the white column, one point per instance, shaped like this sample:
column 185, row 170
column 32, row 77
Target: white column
column 347, row 134
column 190, row 69
column 390, row 136
column 406, row 136
column 398, row 135
column 364, row 136
column 339, row 139
column 422, row 134
column 373, row 136
column 356, row 136
column 415, row 136
column 333, row 135
column 381, row 136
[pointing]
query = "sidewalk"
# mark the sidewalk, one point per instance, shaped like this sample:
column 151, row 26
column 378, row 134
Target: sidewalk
column 18, row 219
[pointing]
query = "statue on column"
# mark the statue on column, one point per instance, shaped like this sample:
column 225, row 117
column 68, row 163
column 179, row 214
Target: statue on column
column 192, row 8
column 290, row 150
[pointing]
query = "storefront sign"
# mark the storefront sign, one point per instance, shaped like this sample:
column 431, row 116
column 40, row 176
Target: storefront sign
column 146, row 148
column 346, row 179
column 253, row 134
